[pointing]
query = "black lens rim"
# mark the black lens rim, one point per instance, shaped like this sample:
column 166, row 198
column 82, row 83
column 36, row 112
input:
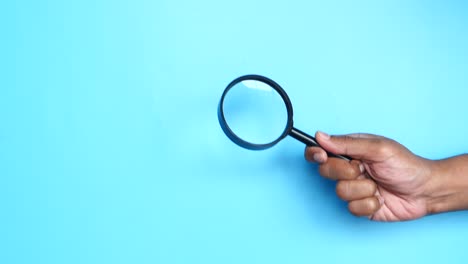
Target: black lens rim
column 239, row 141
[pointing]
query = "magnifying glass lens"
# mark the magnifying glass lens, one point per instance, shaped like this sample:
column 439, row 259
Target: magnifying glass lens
column 255, row 112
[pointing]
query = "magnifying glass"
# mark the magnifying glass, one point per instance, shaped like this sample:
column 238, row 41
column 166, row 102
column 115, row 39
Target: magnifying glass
column 256, row 113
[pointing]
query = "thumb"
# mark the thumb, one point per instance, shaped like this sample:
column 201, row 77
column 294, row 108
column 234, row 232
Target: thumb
column 358, row 146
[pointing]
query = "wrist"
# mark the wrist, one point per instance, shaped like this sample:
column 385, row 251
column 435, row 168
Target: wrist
column 447, row 186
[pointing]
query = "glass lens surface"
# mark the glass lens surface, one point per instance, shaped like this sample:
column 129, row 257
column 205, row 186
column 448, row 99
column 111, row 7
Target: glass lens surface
column 255, row 112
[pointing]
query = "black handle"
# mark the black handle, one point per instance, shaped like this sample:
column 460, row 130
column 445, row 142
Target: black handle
column 311, row 141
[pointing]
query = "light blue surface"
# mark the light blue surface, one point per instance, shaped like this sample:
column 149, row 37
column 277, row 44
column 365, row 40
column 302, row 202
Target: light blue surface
column 111, row 152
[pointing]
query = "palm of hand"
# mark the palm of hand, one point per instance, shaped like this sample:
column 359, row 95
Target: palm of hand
column 400, row 182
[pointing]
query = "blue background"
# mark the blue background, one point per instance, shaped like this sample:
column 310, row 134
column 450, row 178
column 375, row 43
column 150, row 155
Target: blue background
column 111, row 152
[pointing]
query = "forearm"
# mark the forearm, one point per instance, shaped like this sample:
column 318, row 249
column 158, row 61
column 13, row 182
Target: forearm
column 447, row 189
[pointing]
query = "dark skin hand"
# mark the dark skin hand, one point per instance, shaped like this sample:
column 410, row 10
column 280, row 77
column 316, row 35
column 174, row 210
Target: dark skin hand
column 387, row 182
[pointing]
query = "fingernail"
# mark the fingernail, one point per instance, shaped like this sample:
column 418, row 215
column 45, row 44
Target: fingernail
column 324, row 135
column 317, row 157
column 361, row 168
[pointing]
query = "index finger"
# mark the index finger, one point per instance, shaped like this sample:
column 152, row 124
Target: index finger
column 338, row 169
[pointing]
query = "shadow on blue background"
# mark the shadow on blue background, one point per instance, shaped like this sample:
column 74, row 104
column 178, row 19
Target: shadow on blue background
column 111, row 152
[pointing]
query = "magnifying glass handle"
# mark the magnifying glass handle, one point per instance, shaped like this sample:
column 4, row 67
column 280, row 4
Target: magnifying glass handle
column 311, row 141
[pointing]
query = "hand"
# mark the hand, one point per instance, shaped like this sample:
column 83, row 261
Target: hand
column 385, row 181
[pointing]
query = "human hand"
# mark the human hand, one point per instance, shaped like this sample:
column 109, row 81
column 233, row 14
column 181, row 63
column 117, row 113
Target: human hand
column 385, row 181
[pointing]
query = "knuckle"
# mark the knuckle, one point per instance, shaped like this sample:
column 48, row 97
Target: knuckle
column 342, row 189
column 369, row 186
column 351, row 172
column 363, row 207
column 324, row 170
column 371, row 205
column 309, row 153
column 347, row 138
column 384, row 147
column 347, row 141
